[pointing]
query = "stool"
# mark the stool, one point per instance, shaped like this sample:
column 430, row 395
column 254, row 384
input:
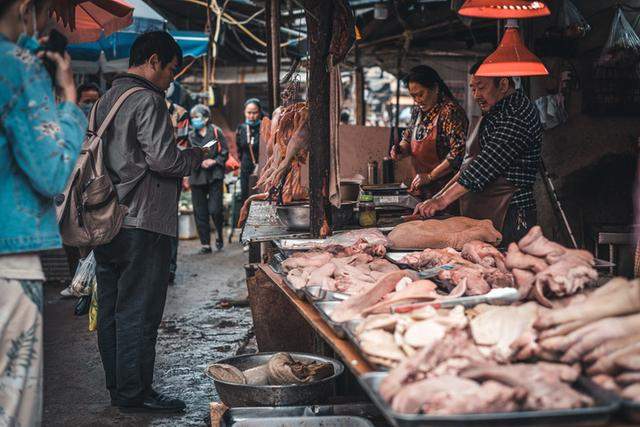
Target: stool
column 613, row 240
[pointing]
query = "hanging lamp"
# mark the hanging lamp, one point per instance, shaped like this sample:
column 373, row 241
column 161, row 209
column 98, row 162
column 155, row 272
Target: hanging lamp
column 512, row 58
column 504, row 9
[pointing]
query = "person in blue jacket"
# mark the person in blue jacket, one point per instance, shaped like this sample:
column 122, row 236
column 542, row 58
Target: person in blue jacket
column 39, row 143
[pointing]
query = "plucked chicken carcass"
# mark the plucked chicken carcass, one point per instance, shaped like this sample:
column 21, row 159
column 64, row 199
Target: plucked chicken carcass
column 346, row 270
column 287, row 149
column 477, row 278
column 547, row 384
column 435, row 234
column 602, row 332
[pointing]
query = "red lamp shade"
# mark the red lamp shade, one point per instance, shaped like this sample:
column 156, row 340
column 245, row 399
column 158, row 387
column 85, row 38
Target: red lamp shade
column 504, row 9
column 512, row 59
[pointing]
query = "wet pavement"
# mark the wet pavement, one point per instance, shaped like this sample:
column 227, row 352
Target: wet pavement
column 199, row 326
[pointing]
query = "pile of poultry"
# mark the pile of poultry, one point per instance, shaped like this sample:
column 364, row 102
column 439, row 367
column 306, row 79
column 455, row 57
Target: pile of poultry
column 509, row 358
column 535, row 265
column 478, row 268
column 602, row 332
column 286, row 137
column 350, row 270
column 541, row 267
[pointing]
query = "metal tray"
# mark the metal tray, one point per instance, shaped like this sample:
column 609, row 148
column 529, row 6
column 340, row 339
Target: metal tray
column 396, row 256
column 315, row 293
column 325, row 308
column 349, row 329
column 596, row 415
column 299, row 292
column 357, row 411
column 327, row 421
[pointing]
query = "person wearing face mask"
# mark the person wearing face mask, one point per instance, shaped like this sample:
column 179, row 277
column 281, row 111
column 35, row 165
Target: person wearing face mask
column 132, row 271
column 435, row 138
column 248, row 142
column 39, row 144
column 501, row 162
column 207, row 178
column 88, row 94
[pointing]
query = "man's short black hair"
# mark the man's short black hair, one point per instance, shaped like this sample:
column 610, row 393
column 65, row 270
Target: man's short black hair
column 158, row 42
column 496, row 80
column 86, row 87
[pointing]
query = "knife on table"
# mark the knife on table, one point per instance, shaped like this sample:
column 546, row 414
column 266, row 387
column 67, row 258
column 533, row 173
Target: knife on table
column 495, row 296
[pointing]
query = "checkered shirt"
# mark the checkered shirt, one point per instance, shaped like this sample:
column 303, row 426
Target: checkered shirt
column 510, row 143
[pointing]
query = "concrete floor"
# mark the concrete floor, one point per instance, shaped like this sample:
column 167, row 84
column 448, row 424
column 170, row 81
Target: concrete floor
column 198, row 327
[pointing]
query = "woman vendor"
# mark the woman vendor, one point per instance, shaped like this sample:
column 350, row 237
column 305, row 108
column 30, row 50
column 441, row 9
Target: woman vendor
column 436, row 137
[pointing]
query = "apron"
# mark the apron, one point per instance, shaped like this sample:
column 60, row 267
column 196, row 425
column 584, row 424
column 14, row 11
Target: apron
column 492, row 203
column 424, row 157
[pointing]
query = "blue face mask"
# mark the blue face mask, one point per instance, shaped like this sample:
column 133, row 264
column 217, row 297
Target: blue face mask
column 252, row 122
column 29, row 43
column 198, row 123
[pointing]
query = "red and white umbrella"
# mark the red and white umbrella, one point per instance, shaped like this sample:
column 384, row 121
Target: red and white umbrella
column 87, row 20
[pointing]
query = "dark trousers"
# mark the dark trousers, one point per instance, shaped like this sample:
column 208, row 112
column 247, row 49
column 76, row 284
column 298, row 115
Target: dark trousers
column 517, row 223
column 207, row 201
column 173, row 265
column 132, row 273
column 245, row 176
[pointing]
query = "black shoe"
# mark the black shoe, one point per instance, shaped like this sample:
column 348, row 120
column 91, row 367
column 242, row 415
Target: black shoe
column 205, row 250
column 157, row 402
column 219, row 244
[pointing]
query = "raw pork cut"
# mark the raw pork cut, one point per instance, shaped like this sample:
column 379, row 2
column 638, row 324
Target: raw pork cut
column 435, row 234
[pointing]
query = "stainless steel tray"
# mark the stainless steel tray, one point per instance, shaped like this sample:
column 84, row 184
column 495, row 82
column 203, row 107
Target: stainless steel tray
column 326, row 421
column 315, row 293
column 595, row 415
column 630, row 410
column 349, row 329
column 354, row 411
column 325, row 308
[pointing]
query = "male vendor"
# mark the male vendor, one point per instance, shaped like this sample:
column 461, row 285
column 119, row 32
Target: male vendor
column 503, row 154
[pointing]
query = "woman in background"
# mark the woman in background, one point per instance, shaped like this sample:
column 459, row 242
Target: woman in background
column 39, row 143
column 248, row 141
column 207, row 180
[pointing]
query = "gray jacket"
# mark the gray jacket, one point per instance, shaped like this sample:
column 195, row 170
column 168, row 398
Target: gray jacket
column 142, row 157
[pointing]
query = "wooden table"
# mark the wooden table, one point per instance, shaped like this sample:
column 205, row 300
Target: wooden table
column 265, row 278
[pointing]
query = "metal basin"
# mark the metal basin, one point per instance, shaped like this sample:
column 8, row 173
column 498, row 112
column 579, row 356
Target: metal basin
column 234, row 395
column 296, row 217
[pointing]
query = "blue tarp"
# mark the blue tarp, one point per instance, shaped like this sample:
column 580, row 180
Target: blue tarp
column 117, row 45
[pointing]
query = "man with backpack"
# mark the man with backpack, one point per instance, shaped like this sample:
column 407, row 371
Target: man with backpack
column 132, row 271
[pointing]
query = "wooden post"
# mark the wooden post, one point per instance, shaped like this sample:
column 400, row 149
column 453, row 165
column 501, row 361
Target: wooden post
column 272, row 11
column 319, row 21
column 360, row 108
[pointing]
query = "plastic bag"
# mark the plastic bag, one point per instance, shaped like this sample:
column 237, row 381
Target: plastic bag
column 93, row 308
column 84, row 277
column 571, row 21
column 623, row 46
column 551, row 110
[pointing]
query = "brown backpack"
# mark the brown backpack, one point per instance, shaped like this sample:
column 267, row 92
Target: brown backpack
column 89, row 211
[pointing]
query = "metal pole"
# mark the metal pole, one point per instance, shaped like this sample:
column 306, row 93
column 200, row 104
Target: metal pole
column 551, row 191
column 360, row 107
column 272, row 10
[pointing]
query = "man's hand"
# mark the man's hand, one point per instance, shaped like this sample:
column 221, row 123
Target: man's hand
column 207, row 163
column 400, row 151
column 429, row 208
column 393, row 153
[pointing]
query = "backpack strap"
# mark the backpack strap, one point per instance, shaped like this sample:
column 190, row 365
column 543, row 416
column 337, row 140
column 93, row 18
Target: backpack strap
column 114, row 109
column 92, row 118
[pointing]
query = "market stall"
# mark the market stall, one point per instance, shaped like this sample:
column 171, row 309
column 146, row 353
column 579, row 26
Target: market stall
column 434, row 318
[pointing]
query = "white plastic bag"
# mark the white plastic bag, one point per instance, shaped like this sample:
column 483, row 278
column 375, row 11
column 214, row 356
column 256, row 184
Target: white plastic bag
column 85, row 276
column 623, row 46
column 551, row 110
column 571, row 21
